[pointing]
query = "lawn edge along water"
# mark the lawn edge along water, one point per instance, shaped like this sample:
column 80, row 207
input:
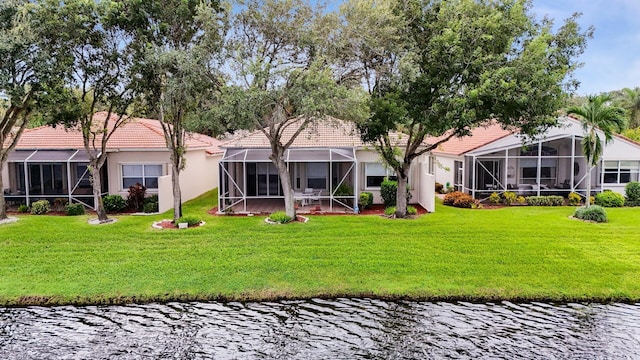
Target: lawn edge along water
column 517, row 254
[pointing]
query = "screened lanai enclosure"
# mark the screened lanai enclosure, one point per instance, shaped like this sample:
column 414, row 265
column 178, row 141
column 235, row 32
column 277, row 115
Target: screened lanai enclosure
column 50, row 174
column 323, row 177
column 555, row 166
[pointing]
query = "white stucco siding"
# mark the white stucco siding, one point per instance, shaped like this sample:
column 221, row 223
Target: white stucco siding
column 117, row 159
column 200, row 174
column 444, row 168
column 621, row 149
column 370, row 156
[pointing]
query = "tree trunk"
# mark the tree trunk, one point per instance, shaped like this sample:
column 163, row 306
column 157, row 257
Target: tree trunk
column 3, row 203
column 401, row 194
column 177, row 194
column 285, row 181
column 587, row 200
column 96, row 182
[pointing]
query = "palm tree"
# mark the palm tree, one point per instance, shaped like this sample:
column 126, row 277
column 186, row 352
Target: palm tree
column 598, row 117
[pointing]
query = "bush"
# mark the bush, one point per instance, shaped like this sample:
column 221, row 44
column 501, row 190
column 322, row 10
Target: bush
column 388, row 190
column 40, row 207
column 632, row 192
column 60, row 203
column 114, row 203
column 343, row 190
column 521, row 200
column 75, row 209
column 135, row 199
column 592, row 213
column 390, row 210
column 23, row 208
column 190, row 220
column 280, row 217
column 411, row 210
column 609, row 199
column 459, row 199
column 494, row 198
column 439, row 188
column 509, row 197
column 366, row 200
column 151, row 204
column 574, row 199
column 552, row 200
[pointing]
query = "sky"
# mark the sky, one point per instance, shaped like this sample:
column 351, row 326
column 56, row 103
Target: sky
column 612, row 57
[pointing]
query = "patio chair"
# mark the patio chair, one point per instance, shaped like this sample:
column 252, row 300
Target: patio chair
column 313, row 197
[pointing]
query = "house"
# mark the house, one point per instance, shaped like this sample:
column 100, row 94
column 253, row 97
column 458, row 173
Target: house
column 329, row 167
column 49, row 163
column 494, row 159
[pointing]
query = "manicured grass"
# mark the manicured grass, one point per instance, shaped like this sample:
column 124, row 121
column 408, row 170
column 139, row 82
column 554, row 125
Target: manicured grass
column 514, row 253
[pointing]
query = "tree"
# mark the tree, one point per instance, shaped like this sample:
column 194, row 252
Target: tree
column 597, row 116
column 179, row 45
column 632, row 104
column 462, row 64
column 283, row 76
column 31, row 68
column 101, row 78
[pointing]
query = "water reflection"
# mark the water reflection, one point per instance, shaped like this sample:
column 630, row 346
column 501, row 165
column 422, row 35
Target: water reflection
column 321, row 329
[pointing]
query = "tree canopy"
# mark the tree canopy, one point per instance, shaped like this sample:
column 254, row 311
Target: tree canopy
column 466, row 63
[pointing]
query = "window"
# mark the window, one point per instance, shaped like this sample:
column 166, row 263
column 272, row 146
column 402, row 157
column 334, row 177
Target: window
column 529, row 171
column 146, row 175
column 375, row 173
column 620, row 172
column 317, row 175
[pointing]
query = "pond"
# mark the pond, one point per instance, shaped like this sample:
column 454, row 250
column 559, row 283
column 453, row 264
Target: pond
column 321, row 329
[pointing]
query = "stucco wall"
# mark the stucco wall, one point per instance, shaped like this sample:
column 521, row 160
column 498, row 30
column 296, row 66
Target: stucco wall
column 415, row 179
column 117, row 159
column 199, row 175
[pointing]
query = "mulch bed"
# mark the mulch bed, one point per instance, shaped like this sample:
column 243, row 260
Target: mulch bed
column 169, row 224
column 377, row 209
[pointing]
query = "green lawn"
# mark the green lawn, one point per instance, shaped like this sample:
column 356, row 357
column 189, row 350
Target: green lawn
column 516, row 253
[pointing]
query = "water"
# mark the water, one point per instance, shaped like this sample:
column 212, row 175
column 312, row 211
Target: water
column 323, row 329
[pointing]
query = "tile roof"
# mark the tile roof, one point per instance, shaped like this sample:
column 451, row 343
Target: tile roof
column 480, row 136
column 326, row 133
column 136, row 133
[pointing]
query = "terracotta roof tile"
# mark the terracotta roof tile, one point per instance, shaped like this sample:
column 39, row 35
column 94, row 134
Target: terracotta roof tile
column 136, row 133
column 330, row 132
column 480, row 136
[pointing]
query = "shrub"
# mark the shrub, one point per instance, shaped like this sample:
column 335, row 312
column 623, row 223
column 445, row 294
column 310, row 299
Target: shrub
column 343, row 190
column 632, row 192
column 135, row 199
column 390, row 210
column 552, row 200
column 151, row 204
column 521, row 200
column 190, row 220
column 494, row 198
column 609, row 199
column 114, row 203
column 60, row 203
column 23, row 208
column 366, row 200
column 411, row 210
column 574, row 199
column 280, row 217
column 509, row 197
column 388, row 190
column 592, row 213
column 459, row 199
column 439, row 188
column 40, row 207
column 75, row 209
